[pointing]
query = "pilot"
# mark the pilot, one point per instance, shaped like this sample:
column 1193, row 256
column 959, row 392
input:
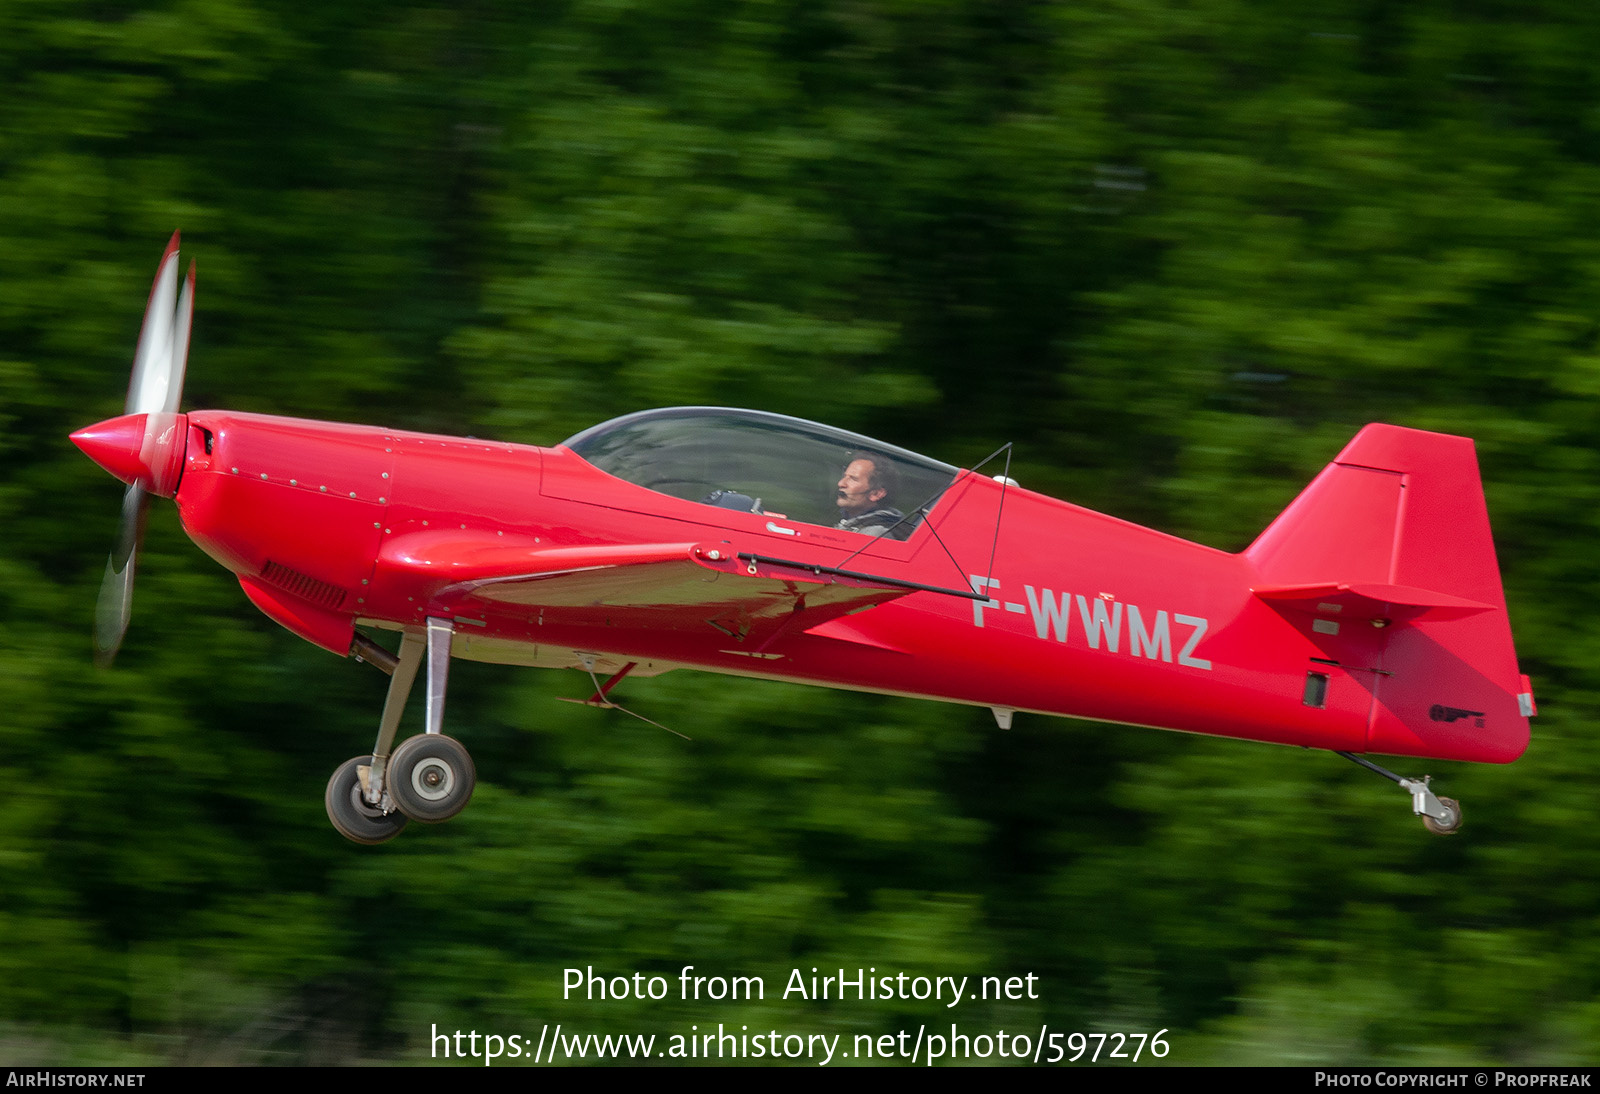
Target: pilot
column 866, row 489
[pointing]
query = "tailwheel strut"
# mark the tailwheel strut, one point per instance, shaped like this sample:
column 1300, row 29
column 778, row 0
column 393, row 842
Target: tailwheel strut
column 1441, row 816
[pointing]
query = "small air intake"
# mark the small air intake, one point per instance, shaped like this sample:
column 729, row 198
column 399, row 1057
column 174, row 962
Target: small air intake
column 317, row 592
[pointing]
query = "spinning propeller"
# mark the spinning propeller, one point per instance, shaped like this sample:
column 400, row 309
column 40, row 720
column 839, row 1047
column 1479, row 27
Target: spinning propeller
column 145, row 446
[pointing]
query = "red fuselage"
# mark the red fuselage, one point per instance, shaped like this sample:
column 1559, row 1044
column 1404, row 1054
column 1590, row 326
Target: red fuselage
column 329, row 526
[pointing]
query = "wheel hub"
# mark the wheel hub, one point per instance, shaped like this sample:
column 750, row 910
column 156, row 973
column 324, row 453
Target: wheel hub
column 433, row 779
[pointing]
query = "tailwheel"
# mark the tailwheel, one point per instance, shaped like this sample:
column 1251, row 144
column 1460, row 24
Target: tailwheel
column 1447, row 825
column 431, row 777
column 348, row 810
column 1441, row 816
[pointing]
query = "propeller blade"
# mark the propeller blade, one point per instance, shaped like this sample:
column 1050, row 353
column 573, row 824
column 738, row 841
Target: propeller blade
column 151, row 386
column 180, row 341
column 116, row 588
column 154, row 389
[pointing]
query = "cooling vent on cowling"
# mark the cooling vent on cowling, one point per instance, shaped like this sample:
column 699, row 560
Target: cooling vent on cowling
column 293, row 581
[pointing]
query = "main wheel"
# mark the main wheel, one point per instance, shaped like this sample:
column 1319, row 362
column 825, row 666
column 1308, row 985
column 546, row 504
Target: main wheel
column 431, row 777
column 1450, row 825
column 348, row 810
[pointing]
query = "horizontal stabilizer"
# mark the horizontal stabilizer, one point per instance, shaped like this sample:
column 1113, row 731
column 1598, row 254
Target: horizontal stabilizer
column 1370, row 600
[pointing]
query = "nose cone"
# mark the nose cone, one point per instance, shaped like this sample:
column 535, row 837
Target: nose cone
column 115, row 444
column 138, row 448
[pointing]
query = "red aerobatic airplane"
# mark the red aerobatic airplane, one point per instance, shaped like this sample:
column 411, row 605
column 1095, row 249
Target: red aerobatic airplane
column 1368, row 617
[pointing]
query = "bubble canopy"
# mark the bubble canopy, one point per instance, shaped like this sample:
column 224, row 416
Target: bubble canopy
column 755, row 461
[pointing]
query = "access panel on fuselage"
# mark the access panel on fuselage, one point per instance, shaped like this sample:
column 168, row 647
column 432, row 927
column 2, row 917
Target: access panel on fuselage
column 311, row 497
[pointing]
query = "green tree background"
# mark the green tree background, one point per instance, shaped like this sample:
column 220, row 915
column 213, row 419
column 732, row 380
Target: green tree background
column 1177, row 250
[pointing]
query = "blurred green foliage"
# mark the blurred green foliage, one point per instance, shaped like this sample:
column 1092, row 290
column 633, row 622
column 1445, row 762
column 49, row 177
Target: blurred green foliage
column 1177, row 251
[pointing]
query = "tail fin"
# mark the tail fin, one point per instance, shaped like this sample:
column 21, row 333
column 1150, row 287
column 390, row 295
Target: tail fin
column 1386, row 562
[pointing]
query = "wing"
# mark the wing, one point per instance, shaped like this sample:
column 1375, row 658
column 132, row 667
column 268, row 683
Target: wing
column 687, row 586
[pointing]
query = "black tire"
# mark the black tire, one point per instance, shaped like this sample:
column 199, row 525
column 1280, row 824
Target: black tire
column 1449, row 826
column 431, row 777
column 351, row 815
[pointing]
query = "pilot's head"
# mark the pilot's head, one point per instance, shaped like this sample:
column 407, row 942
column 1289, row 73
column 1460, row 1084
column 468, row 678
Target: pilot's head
column 867, row 484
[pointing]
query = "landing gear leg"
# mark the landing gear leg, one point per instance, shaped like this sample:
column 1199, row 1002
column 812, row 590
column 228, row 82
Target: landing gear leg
column 405, row 674
column 440, row 632
column 430, row 777
column 432, row 774
column 1441, row 816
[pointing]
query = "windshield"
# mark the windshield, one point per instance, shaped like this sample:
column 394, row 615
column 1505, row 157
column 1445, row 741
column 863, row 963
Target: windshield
column 768, row 463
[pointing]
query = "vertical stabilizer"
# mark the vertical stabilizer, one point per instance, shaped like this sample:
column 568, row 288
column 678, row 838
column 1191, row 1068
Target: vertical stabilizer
column 1387, row 563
